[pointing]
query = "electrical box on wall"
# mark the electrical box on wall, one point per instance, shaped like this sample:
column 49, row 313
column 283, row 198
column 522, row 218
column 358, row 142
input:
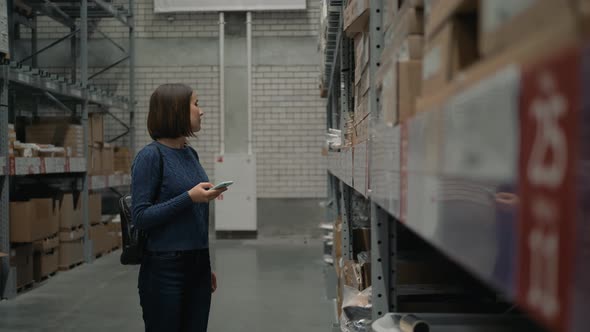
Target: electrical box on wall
column 172, row 6
column 235, row 210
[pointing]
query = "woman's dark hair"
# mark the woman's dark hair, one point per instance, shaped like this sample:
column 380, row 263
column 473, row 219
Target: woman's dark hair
column 169, row 115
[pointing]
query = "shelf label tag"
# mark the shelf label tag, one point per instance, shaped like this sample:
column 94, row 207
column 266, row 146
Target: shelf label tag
column 549, row 111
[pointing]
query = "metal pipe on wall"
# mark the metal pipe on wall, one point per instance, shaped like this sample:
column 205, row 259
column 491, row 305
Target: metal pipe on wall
column 84, row 110
column 249, row 56
column 221, row 83
column 131, row 53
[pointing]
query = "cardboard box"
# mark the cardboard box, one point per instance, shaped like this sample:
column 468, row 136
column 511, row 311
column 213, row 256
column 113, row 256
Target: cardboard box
column 32, row 220
column 70, row 212
column 399, row 85
column 408, row 88
column 363, row 84
column 69, row 136
column 390, row 9
column 94, row 166
column 505, row 23
column 361, row 53
column 45, row 264
column 410, row 21
column 96, row 126
column 450, row 51
column 366, row 275
column 70, row 253
column 47, row 211
column 101, row 241
column 441, row 11
column 411, row 48
column 107, row 159
column 23, row 222
column 386, row 82
column 71, row 235
column 122, row 160
column 356, row 17
column 351, row 274
column 21, row 257
column 46, row 245
column 361, row 129
column 361, row 241
column 94, row 208
column 564, row 33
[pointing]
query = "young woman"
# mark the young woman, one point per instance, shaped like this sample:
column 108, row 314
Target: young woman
column 171, row 204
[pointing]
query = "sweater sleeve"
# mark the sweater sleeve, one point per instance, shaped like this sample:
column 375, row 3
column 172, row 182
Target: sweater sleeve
column 145, row 174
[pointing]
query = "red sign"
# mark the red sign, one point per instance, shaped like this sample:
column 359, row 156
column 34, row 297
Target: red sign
column 42, row 166
column 549, row 113
column 404, row 172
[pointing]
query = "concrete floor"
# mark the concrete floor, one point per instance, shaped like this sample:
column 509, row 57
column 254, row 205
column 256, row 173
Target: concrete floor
column 272, row 284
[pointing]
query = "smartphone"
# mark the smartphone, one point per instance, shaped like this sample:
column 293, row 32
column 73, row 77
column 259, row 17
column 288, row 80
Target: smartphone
column 223, row 184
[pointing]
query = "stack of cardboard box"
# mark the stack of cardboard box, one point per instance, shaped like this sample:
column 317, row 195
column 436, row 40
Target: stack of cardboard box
column 34, row 221
column 356, row 26
column 101, row 155
column 468, row 41
column 99, row 234
column 355, row 273
column 398, row 79
column 114, row 230
column 71, row 235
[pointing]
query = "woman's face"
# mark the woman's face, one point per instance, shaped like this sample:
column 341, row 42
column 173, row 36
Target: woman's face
column 196, row 113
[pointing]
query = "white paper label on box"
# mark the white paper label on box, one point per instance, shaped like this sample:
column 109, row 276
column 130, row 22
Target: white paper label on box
column 432, row 63
column 481, row 129
column 497, row 12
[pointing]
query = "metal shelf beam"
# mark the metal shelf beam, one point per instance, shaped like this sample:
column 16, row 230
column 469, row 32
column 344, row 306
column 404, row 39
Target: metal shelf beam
column 37, row 79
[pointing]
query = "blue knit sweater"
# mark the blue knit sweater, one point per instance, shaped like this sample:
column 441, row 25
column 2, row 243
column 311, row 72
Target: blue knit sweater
column 174, row 222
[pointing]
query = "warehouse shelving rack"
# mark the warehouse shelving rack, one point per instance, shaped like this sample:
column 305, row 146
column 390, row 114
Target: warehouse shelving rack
column 73, row 94
column 394, row 173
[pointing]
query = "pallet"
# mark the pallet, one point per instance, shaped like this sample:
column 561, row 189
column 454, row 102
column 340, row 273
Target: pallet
column 25, row 287
column 51, row 275
column 70, row 229
column 104, row 253
column 70, row 267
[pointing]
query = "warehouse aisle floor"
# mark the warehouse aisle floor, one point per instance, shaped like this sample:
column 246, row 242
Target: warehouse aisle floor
column 264, row 285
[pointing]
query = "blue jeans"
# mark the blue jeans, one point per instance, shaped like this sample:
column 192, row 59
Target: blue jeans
column 175, row 291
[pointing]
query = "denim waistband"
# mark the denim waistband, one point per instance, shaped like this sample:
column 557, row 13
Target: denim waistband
column 176, row 253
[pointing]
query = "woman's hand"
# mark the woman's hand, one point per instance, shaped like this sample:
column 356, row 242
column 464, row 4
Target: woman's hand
column 202, row 193
column 213, row 282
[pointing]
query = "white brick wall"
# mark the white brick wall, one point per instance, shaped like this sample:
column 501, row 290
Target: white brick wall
column 297, row 23
column 289, row 125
